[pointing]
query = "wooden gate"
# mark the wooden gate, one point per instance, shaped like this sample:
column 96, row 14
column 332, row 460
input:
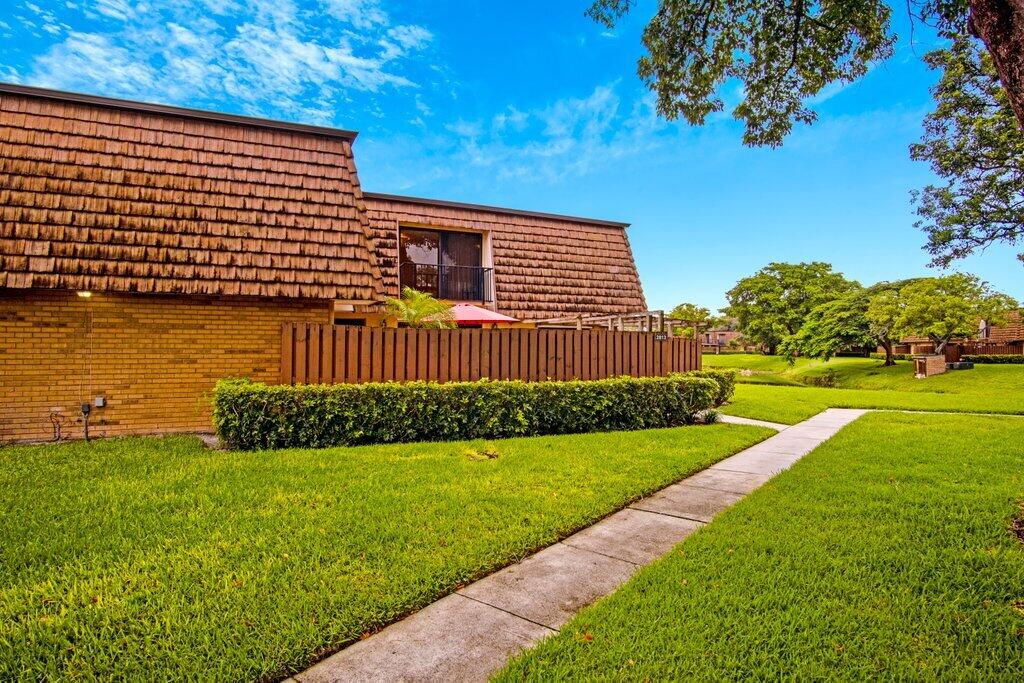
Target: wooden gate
column 330, row 354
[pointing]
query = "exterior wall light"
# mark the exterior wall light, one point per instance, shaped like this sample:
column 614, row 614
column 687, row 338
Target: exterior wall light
column 85, row 294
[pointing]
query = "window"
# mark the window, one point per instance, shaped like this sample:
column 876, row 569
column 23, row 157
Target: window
column 448, row 265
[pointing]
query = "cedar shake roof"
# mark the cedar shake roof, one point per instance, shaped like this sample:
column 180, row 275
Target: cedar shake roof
column 545, row 265
column 105, row 194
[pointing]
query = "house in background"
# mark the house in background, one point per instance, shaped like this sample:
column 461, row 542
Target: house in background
column 147, row 251
column 1010, row 333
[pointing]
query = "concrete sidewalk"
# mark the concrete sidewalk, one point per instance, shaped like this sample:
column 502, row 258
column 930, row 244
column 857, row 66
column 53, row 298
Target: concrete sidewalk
column 473, row 632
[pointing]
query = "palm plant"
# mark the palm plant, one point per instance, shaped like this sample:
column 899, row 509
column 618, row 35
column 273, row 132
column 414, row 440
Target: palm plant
column 419, row 309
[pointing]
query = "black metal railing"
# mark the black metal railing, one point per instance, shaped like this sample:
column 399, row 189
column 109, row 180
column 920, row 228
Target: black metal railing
column 455, row 283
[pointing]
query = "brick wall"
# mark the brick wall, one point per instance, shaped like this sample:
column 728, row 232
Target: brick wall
column 152, row 356
column 931, row 365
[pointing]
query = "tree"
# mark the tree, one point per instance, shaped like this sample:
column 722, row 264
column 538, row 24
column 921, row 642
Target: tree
column 772, row 304
column 419, row 309
column 698, row 317
column 784, row 52
column 882, row 313
column 972, row 142
column 864, row 317
column 832, row 327
column 942, row 308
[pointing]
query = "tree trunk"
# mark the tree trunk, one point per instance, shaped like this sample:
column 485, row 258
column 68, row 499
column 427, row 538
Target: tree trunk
column 1000, row 25
column 887, row 345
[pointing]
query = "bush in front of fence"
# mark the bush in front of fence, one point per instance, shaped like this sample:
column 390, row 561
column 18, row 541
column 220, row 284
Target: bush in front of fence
column 994, row 358
column 725, row 379
column 254, row 416
column 895, row 356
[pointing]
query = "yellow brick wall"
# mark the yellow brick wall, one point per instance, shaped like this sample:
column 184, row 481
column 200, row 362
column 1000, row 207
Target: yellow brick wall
column 155, row 358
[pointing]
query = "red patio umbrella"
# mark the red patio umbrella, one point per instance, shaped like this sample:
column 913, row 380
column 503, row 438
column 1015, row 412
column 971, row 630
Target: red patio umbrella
column 468, row 314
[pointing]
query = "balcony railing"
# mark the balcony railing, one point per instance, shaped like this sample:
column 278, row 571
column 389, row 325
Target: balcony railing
column 454, row 283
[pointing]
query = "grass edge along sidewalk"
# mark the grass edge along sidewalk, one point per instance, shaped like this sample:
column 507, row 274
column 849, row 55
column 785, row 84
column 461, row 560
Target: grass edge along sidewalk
column 790, row 405
column 468, row 635
column 160, row 555
column 885, row 554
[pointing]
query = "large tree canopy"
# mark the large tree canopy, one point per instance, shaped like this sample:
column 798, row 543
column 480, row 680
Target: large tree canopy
column 972, row 142
column 863, row 317
column 784, row 52
column 942, row 308
column 772, row 304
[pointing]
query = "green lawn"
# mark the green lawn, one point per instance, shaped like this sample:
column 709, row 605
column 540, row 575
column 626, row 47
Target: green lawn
column 790, row 405
column 865, row 383
column 885, row 554
column 150, row 558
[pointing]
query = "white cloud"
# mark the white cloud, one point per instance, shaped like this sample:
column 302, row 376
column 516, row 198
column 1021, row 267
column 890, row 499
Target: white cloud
column 410, row 37
column 510, row 118
column 92, row 59
column 361, row 14
column 568, row 138
column 115, row 9
column 268, row 56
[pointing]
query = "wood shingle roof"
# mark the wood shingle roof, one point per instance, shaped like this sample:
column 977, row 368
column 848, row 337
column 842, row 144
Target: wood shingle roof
column 545, row 265
column 122, row 196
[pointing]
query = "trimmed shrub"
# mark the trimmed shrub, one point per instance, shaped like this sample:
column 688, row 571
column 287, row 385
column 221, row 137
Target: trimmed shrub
column 993, row 358
column 726, row 380
column 254, row 416
column 895, row 356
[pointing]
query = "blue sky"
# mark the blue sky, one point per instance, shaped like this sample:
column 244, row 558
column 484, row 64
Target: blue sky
column 529, row 105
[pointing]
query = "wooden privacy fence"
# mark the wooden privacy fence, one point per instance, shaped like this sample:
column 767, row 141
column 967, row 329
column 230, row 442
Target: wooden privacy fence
column 330, row 354
column 968, row 349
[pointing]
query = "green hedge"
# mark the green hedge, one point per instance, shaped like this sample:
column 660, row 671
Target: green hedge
column 995, row 358
column 895, row 356
column 726, row 380
column 254, row 416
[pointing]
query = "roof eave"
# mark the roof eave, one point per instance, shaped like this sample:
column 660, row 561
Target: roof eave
column 424, row 201
column 170, row 110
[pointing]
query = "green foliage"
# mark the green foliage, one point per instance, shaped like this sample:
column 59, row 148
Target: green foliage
column 724, row 378
column 251, row 416
column 832, row 327
column 941, row 308
column 895, row 356
column 995, row 359
column 419, row 309
column 774, row 303
column 883, row 555
column 698, row 317
column 782, row 55
column 861, row 318
column 973, row 142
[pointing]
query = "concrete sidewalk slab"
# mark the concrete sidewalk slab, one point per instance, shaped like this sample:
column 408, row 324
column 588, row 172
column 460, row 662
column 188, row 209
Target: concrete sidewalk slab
column 725, row 480
column 549, row 588
column 768, row 464
column 454, row 639
column 688, row 501
column 466, row 636
column 634, row 535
